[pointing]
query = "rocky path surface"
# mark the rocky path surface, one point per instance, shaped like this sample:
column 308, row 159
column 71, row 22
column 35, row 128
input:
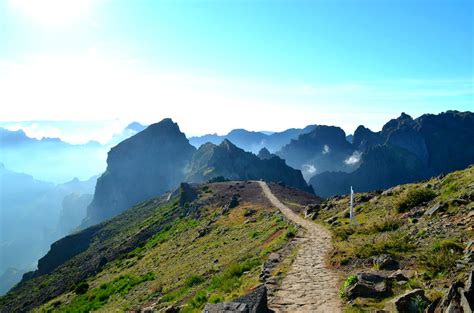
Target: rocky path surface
column 309, row 286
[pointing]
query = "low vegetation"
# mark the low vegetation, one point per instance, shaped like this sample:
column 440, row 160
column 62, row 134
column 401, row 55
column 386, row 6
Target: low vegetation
column 396, row 223
column 202, row 254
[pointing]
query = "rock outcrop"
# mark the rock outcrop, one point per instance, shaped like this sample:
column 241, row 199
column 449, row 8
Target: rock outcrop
column 253, row 302
column 368, row 285
column 323, row 149
column 139, row 168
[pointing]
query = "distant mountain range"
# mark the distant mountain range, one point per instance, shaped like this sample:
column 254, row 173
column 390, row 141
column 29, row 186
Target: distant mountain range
column 55, row 160
column 150, row 161
column 160, row 157
column 34, row 214
column 405, row 150
column 157, row 159
column 253, row 141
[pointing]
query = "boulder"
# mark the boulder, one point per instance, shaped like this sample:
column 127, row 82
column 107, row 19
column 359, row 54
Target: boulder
column 386, row 262
column 369, row 285
column 253, row 302
column 413, row 301
column 311, row 211
column 229, row 307
column 437, row 207
column 467, row 295
column 398, row 276
column 451, row 301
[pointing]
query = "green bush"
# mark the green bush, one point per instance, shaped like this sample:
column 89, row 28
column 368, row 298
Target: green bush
column 194, row 280
column 385, row 225
column 81, row 288
column 413, row 198
column 343, row 232
column 350, row 280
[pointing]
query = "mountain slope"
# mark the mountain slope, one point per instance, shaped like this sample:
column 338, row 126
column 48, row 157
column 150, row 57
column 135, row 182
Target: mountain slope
column 140, row 167
column 207, row 242
column 425, row 229
column 231, row 162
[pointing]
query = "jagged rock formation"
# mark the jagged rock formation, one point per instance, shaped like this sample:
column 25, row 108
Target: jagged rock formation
column 264, row 154
column 233, row 163
column 139, row 168
column 406, row 150
column 323, row 149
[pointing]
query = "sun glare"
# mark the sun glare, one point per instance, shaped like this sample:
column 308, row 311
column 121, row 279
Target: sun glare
column 53, row 12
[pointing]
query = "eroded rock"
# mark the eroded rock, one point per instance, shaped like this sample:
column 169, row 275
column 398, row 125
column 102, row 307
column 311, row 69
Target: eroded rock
column 369, row 285
column 413, row 301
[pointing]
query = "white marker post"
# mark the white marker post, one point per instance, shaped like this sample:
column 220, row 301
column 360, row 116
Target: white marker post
column 351, row 212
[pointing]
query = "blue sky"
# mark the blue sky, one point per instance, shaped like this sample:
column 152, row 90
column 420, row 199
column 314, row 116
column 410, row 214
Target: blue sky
column 217, row 65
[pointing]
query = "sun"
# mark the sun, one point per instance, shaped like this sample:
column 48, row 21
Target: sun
column 53, row 12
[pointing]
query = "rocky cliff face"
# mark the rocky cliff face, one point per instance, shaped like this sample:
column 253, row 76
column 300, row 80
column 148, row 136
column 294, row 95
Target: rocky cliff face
column 323, row 149
column 141, row 167
column 231, row 162
column 405, row 150
column 382, row 166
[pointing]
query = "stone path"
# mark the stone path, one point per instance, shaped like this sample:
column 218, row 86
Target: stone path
column 309, row 286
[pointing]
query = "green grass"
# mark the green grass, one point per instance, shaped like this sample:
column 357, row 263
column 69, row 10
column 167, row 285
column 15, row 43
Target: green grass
column 413, row 198
column 427, row 247
column 189, row 269
column 441, row 257
column 96, row 298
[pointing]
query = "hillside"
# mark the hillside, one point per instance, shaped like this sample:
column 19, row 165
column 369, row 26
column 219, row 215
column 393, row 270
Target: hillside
column 426, row 230
column 205, row 244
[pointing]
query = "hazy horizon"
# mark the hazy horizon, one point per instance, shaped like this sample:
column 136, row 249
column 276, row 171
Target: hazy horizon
column 213, row 67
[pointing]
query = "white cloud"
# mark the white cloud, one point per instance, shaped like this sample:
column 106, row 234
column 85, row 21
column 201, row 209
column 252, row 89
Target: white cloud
column 354, row 158
column 308, row 171
column 326, row 149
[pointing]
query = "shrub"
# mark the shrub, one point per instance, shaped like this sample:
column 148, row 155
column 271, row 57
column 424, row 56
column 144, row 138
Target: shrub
column 81, row 288
column 290, row 233
column 387, row 224
column 442, row 257
column 194, row 280
column 413, row 198
column 420, row 304
column 350, row 280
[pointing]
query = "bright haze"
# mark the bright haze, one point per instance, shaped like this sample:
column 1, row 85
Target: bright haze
column 213, row 66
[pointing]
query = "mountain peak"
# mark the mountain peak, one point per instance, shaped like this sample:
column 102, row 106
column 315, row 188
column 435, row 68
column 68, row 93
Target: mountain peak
column 135, row 126
column 404, row 116
column 228, row 145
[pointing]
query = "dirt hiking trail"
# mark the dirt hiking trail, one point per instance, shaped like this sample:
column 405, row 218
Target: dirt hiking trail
column 309, row 286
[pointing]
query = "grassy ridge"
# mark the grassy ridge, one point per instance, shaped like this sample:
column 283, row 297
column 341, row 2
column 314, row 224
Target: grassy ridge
column 394, row 223
column 207, row 256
